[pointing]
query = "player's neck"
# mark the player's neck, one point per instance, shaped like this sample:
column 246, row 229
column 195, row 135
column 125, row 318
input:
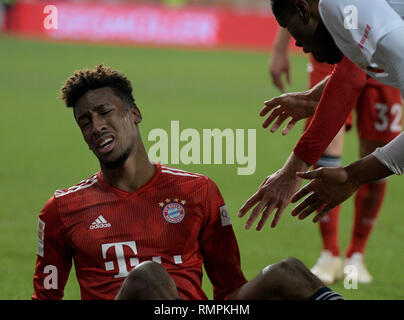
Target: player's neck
column 134, row 173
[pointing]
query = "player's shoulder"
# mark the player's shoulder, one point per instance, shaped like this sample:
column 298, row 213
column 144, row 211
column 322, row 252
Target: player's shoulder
column 178, row 174
column 78, row 188
column 180, row 177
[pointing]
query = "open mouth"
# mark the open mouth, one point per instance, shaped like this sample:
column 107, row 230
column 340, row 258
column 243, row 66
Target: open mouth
column 105, row 145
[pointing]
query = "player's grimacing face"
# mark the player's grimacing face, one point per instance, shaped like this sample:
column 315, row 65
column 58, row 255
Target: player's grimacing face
column 107, row 125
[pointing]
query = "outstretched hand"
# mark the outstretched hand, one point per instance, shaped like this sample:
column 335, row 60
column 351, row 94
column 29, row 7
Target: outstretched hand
column 274, row 193
column 296, row 106
column 328, row 187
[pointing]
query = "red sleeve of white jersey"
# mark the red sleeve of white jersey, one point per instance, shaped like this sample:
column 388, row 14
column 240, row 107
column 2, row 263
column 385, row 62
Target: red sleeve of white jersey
column 338, row 100
column 219, row 246
column 54, row 259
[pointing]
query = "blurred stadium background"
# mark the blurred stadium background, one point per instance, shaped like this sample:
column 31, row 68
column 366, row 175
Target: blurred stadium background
column 201, row 62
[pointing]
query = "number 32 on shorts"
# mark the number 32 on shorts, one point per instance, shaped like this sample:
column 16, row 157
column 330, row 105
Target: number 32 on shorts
column 385, row 114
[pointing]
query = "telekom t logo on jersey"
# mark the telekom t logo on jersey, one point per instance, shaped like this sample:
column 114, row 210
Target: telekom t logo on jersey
column 121, row 260
column 120, row 257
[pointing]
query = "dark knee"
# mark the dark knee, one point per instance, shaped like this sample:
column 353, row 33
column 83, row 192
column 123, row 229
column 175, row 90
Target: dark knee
column 287, row 267
column 143, row 272
column 148, row 280
column 291, row 265
column 292, row 279
column 277, row 275
column 296, row 269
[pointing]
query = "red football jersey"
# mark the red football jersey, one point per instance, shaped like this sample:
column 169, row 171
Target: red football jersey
column 178, row 219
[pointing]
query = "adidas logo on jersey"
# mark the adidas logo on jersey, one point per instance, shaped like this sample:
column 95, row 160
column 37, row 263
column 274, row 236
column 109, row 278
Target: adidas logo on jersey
column 99, row 223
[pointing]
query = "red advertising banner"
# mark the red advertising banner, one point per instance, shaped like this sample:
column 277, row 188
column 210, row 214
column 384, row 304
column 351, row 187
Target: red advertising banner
column 144, row 24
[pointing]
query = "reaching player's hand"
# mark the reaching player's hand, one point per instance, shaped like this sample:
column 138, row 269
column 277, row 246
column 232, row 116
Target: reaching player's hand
column 274, row 193
column 296, row 106
column 279, row 65
column 328, row 187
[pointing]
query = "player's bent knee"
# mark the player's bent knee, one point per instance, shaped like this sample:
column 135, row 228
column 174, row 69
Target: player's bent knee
column 292, row 270
column 148, row 267
column 147, row 274
column 291, row 265
column 142, row 271
column 148, row 280
column 275, row 275
column 294, row 266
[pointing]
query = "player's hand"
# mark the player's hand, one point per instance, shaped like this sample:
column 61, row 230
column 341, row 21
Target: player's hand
column 274, row 193
column 328, row 187
column 278, row 65
column 297, row 106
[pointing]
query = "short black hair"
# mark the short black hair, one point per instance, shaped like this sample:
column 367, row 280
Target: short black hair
column 101, row 76
column 283, row 8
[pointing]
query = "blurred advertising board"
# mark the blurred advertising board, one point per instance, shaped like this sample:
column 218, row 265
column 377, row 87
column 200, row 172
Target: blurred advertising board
column 144, row 24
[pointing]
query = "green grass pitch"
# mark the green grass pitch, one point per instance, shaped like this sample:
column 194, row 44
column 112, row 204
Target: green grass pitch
column 42, row 150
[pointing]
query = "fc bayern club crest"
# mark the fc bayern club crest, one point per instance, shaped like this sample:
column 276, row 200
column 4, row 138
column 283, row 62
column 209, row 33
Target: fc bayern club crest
column 173, row 212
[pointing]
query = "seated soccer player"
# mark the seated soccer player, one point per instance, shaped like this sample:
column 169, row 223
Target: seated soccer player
column 141, row 230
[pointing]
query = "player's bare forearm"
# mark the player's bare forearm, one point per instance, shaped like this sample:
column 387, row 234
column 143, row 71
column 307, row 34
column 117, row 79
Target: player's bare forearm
column 331, row 186
column 295, row 164
column 366, row 170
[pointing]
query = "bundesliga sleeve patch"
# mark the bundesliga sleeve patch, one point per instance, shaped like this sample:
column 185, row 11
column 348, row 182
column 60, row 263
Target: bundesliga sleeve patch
column 41, row 230
column 224, row 216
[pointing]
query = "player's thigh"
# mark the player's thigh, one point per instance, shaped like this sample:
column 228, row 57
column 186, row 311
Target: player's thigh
column 287, row 279
column 379, row 116
column 266, row 285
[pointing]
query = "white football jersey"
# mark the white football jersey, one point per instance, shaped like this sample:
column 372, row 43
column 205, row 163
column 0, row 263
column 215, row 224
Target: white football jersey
column 357, row 26
column 398, row 6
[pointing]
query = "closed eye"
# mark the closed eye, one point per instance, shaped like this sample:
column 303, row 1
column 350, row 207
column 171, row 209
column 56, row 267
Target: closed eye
column 84, row 124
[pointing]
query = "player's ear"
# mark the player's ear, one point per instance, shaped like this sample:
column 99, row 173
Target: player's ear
column 303, row 10
column 137, row 116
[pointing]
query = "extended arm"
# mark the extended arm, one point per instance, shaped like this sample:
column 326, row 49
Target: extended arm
column 331, row 186
column 340, row 94
column 339, row 97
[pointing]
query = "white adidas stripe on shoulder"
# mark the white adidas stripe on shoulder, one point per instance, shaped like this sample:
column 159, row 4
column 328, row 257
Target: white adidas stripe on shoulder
column 81, row 185
column 179, row 172
column 175, row 169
